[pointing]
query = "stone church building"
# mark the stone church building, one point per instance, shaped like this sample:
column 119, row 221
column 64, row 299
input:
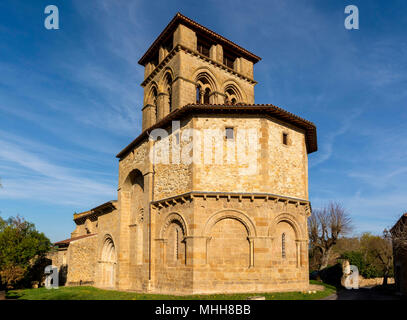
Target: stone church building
column 200, row 227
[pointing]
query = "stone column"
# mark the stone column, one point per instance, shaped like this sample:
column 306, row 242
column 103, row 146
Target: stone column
column 251, row 256
column 216, row 53
column 149, row 116
column 298, row 252
column 122, row 246
column 161, row 105
column 162, row 53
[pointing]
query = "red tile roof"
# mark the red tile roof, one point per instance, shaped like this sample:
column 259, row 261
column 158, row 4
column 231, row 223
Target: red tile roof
column 67, row 241
column 178, row 18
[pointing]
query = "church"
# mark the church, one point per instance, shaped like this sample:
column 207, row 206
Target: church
column 227, row 213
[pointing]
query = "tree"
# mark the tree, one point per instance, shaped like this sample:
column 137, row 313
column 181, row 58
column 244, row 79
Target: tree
column 325, row 226
column 22, row 247
column 381, row 251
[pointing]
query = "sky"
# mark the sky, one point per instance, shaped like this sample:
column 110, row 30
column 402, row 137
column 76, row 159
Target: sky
column 70, row 99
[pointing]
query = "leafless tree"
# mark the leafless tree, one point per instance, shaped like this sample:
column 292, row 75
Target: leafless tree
column 380, row 249
column 325, row 226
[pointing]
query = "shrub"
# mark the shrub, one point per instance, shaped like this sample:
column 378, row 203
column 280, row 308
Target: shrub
column 366, row 268
column 22, row 248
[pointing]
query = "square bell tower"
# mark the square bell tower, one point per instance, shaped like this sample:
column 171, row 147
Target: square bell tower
column 189, row 64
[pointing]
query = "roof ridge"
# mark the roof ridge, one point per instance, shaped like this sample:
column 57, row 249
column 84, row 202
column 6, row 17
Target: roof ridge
column 180, row 16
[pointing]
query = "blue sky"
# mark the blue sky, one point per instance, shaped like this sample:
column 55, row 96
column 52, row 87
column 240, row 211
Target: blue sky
column 70, row 99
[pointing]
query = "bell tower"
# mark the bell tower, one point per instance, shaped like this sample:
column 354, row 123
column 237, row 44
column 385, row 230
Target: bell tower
column 190, row 64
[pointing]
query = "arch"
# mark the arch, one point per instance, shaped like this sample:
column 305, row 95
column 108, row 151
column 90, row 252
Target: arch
column 291, row 220
column 231, row 214
column 152, row 94
column 151, row 99
column 206, row 85
column 205, row 75
column 171, row 218
column 168, row 72
column 135, row 177
column 108, row 261
column 233, row 91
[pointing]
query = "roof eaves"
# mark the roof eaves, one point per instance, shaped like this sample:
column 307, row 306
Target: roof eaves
column 181, row 18
column 284, row 115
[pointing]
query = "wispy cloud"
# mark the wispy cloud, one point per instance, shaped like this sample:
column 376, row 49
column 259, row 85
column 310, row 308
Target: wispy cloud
column 36, row 178
column 327, row 146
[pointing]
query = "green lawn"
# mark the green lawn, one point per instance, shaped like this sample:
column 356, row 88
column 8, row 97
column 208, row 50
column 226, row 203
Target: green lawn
column 90, row 293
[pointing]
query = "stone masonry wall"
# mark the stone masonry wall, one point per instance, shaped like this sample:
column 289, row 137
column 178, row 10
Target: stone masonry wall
column 278, row 168
column 234, row 246
column 82, row 255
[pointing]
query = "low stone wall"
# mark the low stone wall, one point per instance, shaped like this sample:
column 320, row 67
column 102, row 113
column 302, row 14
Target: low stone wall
column 373, row 282
column 316, row 287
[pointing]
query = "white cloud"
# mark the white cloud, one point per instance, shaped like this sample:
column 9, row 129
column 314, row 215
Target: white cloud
column 36, row 178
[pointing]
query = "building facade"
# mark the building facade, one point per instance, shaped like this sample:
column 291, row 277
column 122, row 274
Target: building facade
column 399, row 235
column 213, row 194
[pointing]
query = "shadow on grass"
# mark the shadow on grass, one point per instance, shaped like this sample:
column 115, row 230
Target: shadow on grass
column 91, row 293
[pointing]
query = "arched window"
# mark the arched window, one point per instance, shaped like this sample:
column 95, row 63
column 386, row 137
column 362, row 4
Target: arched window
column 198, row 94
column 205, row 86
column 154, row 101
column 168, row 89
column 283, row 245
column 206, row 96
column 176, row 246
column 231, row 95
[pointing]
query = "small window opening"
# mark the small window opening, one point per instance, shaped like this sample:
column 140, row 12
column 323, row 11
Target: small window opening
column 228, row 59
column 283, row 245
column 229, row 133
column 203, row 48
column 285, row 138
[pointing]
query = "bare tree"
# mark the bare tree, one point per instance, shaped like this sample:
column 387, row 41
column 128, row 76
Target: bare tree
column 325, row 226
column 380, row 249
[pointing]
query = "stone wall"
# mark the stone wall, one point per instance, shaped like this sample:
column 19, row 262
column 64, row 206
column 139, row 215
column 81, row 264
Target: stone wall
column 82, row 257
column 274, row 168
column 373, row 282
column 232, row 245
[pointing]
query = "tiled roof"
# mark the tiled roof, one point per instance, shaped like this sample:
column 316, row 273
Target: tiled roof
column 196, row 26
column 103, row 208
column 67, row 241
column 268, row 109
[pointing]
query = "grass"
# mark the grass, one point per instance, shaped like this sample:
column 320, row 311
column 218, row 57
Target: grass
column 91, row 293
